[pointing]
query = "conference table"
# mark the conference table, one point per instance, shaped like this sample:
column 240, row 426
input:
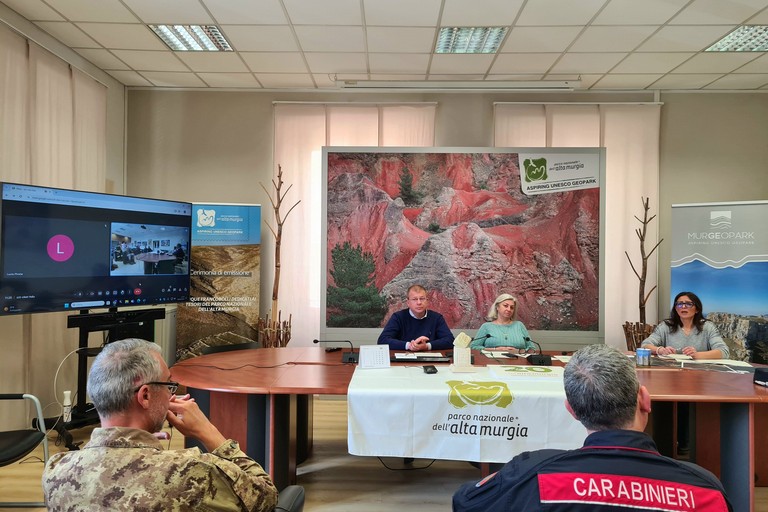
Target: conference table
column 263, row 399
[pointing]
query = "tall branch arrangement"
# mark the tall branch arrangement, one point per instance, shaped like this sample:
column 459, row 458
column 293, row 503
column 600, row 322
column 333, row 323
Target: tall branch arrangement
column 277, row 331
column 643, row 274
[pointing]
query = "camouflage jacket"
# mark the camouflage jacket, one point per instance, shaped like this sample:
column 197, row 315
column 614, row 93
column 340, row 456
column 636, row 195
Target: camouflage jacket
column 128, row 469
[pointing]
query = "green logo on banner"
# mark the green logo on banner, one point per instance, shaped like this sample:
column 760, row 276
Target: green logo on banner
column 464, row 393
column 535, row 169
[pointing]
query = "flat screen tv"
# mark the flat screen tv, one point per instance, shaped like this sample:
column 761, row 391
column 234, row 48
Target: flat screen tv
column 69, row 250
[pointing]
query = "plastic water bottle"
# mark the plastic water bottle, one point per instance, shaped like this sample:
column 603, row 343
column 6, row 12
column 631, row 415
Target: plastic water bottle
column 67, row 407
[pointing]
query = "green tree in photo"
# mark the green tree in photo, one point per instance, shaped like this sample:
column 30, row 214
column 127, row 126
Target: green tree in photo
column 354, row 301
column 407, row 193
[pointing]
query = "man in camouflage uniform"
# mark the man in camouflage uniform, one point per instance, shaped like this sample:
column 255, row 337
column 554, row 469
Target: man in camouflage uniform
column 124, row 466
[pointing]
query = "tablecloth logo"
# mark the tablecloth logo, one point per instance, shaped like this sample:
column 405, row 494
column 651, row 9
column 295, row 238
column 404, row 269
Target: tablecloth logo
column 463, row 394
column 527, row 369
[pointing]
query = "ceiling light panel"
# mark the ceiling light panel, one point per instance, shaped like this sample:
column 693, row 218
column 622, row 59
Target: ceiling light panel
column 470, row 39
column 747, row 38
column 192, row 38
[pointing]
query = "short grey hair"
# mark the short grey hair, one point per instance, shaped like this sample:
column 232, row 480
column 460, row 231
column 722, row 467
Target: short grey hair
column 601, row 386
column 493, row 312
column 119, row 368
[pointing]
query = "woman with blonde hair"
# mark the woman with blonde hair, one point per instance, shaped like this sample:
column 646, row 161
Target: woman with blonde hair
column 502, row 331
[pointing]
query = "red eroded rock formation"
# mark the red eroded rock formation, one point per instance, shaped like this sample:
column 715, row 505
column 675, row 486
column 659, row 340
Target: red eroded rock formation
column 473, row 236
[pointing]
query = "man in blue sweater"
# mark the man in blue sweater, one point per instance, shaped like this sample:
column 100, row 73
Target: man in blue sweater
column 416, row 328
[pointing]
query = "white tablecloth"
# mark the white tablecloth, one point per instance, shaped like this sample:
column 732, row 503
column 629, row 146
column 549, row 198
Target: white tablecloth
column 488, row 416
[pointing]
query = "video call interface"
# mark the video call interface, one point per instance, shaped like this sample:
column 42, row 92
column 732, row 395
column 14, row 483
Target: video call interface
column 70, row 250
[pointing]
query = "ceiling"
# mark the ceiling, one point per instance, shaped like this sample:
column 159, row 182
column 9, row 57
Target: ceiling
column 308, row 44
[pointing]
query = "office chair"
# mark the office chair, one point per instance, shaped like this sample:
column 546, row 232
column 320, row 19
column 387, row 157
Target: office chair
column 635, row 333
column 290, row 499
column 17, row 444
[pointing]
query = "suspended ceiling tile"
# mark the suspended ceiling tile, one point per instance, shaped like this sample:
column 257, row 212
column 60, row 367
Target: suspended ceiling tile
column 484, row 13
column 331, row 39
column 524, row 62
column 213, row 62
column 324, row 12
column 759, row 65
column 102, row 58
column 715, row 62
column 587, row 62
column 170, row 12
column 337, row 62
column 396, row 13
column 167, row 79
column 130, row 78
column 710, row 12
column 651, row 62
column 246, row 12
column 265, row 38
column 398, row 62
column 559, row 12
column 34, row 10
column 540, row 39
column 743, row 81
column 143, row 60
column 278, row 80
column 619, row 81
column 400, row 39
column 275, row 62
column 632, row 12
column 461, row 63
column 679, row 81
column 684, row 39
column 68, row 34
column 235, row 80
column 111, row 11
column 123, row 36
column 611, row 39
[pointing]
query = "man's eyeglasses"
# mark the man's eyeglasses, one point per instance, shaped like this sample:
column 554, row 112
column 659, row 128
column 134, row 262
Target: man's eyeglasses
column 684, row 305
column 172, row 386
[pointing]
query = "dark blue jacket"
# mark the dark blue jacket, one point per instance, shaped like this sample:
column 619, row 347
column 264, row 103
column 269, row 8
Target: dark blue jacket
column 402, row 328
column 615, row 470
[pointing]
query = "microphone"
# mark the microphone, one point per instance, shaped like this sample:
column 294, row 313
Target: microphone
column 481, row 337
column 538, row 359
column 346, row 357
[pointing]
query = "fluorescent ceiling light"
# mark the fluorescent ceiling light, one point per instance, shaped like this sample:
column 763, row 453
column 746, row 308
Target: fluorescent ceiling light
column 469, row 39
column 747, row 38
column 192, row 38
column 435, row 85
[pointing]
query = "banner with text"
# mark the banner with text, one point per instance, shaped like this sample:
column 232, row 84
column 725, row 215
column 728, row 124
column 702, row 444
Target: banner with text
column 488, row 416
column 720, row 253
column 223, row 308
column 544, row 173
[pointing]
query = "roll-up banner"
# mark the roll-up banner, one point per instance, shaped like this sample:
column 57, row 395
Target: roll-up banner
column 720, row 253
column 225, row 265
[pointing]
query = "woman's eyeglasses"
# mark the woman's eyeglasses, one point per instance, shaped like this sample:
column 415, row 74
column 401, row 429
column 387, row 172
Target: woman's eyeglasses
column 172, row 386
column 684, row 305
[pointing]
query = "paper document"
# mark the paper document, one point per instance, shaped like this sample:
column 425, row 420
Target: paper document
column 678, row 357
column 412, row 356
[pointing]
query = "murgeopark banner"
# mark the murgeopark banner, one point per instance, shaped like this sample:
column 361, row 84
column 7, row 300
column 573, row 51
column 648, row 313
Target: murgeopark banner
column 720, row 253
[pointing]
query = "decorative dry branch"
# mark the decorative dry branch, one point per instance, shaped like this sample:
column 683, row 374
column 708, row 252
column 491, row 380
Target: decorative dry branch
column 277, row 232
column 643, row 274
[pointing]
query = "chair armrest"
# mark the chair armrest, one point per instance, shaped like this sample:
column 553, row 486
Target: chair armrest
column 38, row 413
column 290, row 499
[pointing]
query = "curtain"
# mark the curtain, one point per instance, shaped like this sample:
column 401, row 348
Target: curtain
column 301, row 130
column 52, row 132
column 630, row 134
